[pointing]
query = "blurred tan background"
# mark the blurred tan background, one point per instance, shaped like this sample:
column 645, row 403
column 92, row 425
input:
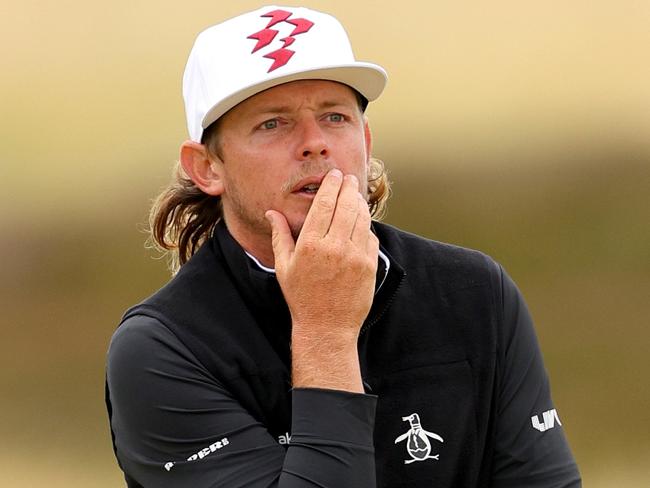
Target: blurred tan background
column 519, row 128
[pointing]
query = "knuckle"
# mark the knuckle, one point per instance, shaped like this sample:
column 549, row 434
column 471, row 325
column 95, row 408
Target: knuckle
column 326, row 203
column 358, row 266
column 309, row 246
column 357, row 261
column 336, row 252
column 364, row 215
column 348, row 206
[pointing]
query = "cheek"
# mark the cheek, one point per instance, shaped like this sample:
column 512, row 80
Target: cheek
column 261, row 185
column 355, row 158
column 257, row 188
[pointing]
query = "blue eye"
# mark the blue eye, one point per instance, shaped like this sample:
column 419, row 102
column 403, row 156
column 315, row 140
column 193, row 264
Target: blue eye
column 269, row 124
column 336, row 118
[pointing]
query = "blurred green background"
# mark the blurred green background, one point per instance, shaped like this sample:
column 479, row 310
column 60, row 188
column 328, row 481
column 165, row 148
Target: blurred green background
column 519, row 128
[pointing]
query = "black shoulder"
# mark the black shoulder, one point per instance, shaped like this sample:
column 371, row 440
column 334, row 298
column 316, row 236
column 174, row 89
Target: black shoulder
column 455, row 265
column 142, row 342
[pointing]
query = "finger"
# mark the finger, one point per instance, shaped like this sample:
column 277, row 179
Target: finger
column 372, row 248
column 281, row 238
column 361, row 230
column 347, row 210
column 319, row 217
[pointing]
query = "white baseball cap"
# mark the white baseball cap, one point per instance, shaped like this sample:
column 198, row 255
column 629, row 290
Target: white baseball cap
column 245, row 55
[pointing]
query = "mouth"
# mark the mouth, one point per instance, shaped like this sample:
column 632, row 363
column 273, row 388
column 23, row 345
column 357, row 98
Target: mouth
column 308, row 186
column 313, row 188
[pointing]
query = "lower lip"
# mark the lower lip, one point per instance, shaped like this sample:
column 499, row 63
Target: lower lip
column 304, row 194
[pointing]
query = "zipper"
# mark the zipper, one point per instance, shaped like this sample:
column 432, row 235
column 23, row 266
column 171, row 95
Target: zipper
column 387, row 304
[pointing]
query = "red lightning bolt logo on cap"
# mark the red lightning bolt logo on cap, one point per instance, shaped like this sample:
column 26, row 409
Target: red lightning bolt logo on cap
column 265, row 36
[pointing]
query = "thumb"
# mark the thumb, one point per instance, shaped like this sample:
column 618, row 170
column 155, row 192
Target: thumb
column 281, row 238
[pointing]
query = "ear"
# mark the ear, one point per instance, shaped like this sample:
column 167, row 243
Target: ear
column 368, row 136
column 203, row 171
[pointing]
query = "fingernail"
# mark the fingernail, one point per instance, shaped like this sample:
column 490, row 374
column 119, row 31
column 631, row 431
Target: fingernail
column 336, row 172
column 269, row 217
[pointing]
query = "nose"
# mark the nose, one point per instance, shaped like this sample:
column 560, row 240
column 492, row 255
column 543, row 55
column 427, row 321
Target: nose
column 313, row 143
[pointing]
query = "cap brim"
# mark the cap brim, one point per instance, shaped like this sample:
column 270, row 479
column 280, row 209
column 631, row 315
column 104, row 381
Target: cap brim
column 367, row 78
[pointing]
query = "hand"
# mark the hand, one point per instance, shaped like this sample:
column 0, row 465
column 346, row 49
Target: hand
column 327, row 277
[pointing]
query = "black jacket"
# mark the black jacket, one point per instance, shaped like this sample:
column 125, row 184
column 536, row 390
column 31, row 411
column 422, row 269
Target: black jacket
column 448, row 353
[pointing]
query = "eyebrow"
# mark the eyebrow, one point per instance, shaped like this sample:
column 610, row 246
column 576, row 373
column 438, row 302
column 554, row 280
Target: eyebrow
column 275, row 109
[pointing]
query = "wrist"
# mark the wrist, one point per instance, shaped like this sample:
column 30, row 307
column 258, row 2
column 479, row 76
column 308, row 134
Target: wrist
column 326, row 362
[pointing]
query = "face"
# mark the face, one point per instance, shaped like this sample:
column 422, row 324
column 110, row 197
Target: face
column 276, row 147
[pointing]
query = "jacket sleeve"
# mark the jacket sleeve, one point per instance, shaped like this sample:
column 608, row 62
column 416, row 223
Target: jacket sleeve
column 175, row 425
column 530, row 448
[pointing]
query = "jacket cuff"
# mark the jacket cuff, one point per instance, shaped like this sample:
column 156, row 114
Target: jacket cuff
column 334, row 415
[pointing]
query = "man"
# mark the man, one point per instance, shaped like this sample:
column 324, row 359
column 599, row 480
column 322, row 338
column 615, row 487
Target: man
column 300, row 343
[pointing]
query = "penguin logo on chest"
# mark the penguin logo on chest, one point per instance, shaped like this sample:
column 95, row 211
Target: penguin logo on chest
column 417, row 440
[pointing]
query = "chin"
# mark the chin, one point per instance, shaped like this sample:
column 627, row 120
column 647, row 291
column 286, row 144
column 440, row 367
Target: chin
column 296, row 227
